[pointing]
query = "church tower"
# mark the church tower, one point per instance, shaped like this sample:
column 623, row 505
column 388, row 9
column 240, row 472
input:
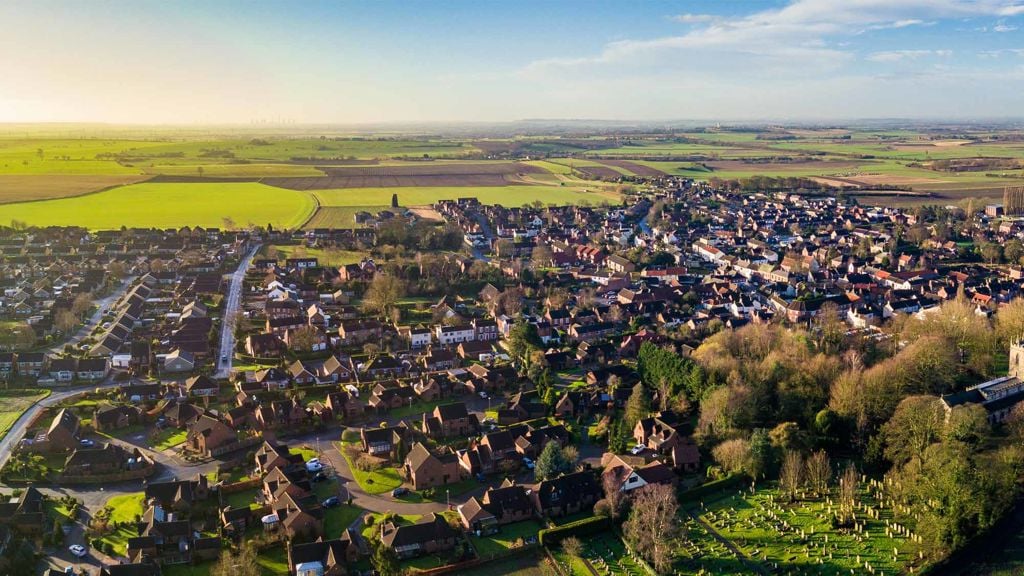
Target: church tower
column 1017, row 359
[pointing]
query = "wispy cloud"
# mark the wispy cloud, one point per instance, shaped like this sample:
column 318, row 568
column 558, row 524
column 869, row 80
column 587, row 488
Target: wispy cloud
column 1003, row 28
column 901, row 55
column 693, row 18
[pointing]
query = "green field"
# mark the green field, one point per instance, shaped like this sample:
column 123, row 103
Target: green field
column 170, row 205
column 14, row 403
column 504, row 195
column 340, row 216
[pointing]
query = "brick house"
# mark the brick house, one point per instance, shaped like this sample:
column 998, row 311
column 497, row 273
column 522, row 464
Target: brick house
column 427, row 470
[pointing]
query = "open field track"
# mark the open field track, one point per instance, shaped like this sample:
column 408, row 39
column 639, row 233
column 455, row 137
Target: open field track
column 26, row 188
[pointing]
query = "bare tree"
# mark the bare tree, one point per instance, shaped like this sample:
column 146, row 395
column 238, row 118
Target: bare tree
column 818, row 472
column 572, row 546
column 791, row 473
column 64, row 321
column 652, row 524
column 848, row 486
column 612, row 494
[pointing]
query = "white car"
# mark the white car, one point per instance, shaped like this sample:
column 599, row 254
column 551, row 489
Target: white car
column 78, row 551
column 637, row 449
column 483, row 394
column 314, row 465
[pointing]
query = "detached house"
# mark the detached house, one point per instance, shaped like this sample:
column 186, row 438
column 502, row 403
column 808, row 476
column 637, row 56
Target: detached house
column 430, row 535
column 427, row 470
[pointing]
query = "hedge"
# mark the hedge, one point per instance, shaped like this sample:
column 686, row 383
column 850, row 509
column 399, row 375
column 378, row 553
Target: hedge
column 584, row 527
column 700, row 492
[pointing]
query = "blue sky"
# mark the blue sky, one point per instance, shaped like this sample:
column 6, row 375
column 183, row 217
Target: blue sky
column 349, row 62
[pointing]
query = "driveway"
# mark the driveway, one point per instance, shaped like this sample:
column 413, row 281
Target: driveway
column 234, row 304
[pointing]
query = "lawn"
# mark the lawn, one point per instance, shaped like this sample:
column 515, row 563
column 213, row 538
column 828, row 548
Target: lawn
column 169, row 438
column 510, row 536
column 187, row 569
column 14, row 403
column 125, row 509
column 170, row 205
column 400, row 519
column 504, row 195
column 242, row 499
column 378, row 481
column 273, row 561
column 535, row 564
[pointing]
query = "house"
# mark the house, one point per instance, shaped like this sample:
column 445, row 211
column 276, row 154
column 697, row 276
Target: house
column 236, row 520
column 179, row 361
column 264, row 345
column 109, row 417
column 182, row 414
column 271, row 455
column 449, row 335
column 345, row 406
column 30, row 363
column 382, row 442
column 427, row 470
column 430, row 535
column 92, row 369
column 63, row 431
column 200, row 386
column 25, row 514
column 505, row 504
column 103, row 460
column 567, row 494
column 440, row 359
column 178, row 494
column 359, row 331
column 629, row 473
column 209, row 436
column 324, row 557
column 451, row 420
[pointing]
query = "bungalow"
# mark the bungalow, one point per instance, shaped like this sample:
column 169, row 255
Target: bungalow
column 201, row 386
column 430, row 535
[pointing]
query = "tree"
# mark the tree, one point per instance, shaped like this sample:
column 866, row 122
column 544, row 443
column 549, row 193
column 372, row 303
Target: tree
column 917, row 423
column 116, row 269
column 394, row 200
column 761, row 456
column 637, row 407
column 81, row 305
column 652, row 524
column 791, row 473
column 304, row 338
column 732, row 455
column 612, row 495
column 21, row 336
column 504, row 248
column 64, row 321
column 522, row 341
column 849, row 483
column 384, row 559
column 1013, row 250
column 572, row 546
column 243, row 562
column 383, row 294
column 541, row 256
column 551, row 462
column 818, row 472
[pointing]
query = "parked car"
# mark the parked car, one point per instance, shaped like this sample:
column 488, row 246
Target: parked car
column 87, row 443
column 314, row 465
column 400, row 491
column 78, row 551
column 639, row 448
column 483, row 394
column 528, row 463
column 320, row 477
column 332, row 502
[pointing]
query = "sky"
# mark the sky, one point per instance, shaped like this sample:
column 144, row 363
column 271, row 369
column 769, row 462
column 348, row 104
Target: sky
column 224, row 61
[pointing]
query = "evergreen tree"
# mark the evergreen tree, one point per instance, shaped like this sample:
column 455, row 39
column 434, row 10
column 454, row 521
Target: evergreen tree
column 551, row 462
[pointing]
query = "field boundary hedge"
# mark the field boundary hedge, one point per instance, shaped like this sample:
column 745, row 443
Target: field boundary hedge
column 696, row 494
column 584, row 527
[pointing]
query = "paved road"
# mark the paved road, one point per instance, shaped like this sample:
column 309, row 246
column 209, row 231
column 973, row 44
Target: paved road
column 96, row 317
column 234, row 304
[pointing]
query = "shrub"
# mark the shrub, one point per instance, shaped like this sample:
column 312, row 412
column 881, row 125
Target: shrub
column 584, row 527
column 368, row 520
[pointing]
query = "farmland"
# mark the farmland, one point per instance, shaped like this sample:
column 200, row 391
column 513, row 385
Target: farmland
column 170, row 205
column 504, row 195
column 13, row 404
column 24, row 188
